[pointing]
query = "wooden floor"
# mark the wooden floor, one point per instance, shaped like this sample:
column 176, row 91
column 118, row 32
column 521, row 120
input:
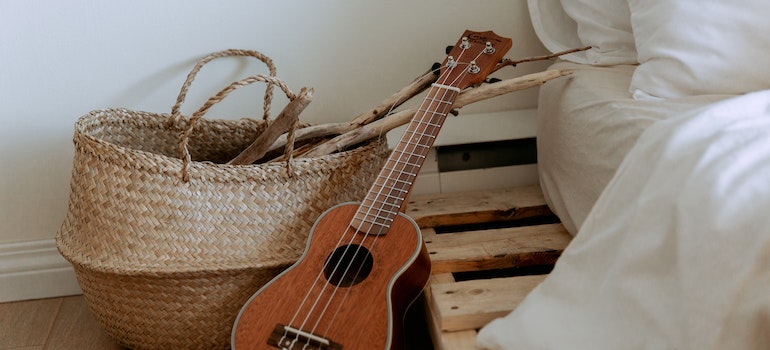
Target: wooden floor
column 56, row 323
column 66, row 323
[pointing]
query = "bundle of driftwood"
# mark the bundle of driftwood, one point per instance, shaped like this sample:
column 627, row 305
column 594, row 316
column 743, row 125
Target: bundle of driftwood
column 282, row 132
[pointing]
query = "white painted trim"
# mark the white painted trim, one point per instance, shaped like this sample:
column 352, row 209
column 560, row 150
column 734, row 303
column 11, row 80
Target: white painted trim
column 34, row 270
column 481, row 127
column 489, row 178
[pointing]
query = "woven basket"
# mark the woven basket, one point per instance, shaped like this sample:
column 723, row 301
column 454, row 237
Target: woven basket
column 166, row 263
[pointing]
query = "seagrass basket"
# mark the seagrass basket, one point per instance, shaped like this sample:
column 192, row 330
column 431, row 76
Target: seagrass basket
column 165, row 261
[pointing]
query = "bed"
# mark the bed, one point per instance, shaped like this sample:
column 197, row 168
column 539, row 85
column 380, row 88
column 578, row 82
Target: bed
column 655, row 154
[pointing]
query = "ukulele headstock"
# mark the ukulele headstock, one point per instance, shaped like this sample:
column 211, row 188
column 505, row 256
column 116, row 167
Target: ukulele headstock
column 473, row 57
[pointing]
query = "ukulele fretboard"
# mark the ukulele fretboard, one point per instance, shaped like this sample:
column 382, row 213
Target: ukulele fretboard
column 393, row 184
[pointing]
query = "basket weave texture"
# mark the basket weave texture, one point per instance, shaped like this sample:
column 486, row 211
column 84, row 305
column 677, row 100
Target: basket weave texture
column 166, row 263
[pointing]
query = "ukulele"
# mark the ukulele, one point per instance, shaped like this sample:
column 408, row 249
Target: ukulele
column 365, row 263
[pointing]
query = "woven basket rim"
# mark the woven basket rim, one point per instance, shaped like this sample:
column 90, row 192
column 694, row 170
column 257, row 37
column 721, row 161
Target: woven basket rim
column 232, row 173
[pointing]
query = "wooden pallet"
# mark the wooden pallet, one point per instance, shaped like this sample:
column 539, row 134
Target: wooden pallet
column 488, row 250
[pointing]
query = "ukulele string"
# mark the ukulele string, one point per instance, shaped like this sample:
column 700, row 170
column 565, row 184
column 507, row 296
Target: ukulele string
column 307, row 297
column 359, row 227
column 426, row 122
column 351, row 261
column 339, row 242
column 373, row 240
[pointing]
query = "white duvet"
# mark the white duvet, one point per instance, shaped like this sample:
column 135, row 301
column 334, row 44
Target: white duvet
column 587, row 123
column 676, row 252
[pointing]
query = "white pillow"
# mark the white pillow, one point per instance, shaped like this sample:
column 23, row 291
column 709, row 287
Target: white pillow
column 555, row 29
column 695, row 47
column 605, row 25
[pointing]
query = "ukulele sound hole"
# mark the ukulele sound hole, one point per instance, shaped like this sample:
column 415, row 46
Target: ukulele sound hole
column 348, row 265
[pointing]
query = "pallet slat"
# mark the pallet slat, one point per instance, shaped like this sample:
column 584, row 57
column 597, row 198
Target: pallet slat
column 495, row 248
column 477, row 207
column 471, row 304
column 457, row 309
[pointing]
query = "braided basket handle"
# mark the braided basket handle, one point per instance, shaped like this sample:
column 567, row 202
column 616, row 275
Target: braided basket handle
column 176, row 115
column 184, row 138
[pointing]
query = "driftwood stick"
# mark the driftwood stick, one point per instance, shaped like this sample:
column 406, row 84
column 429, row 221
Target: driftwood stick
column 509, row 62
column 283, row 122
column 503, row 87
column 312, row 132
column 382, row 126
column 406, row 93
column 376, row 128
column 298, row 152
column 415, row 87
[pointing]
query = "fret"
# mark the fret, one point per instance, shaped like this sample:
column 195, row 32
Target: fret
column 420, row 134
column 429, row 124
column 402, row 152
column 378, row 207
column 386, row 195
column 438, row 100
column 435, row 113
column 372, row 219
column 383, row 186
column 416, row 144
column 409, row 161
column 435, row 125
column 395, row 181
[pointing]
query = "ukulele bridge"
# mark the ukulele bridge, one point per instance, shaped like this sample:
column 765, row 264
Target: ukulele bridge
column 289, row 338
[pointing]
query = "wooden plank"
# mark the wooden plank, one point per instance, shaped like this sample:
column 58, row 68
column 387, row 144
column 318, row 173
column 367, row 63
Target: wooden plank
column 76, row 328
column 496, row 248
column 462, row 340
column 456, row 310
column 26, row 324
column 478, row 206
column 430, row 312
column 470, row 305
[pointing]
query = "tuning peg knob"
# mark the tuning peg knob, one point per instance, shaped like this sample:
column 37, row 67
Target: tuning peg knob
column 473, row 68
column 449, row 49
column 435, row 68
column 489, row 49
column 465, row 44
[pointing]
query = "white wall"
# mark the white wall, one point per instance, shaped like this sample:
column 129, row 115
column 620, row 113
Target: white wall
column 61, row 58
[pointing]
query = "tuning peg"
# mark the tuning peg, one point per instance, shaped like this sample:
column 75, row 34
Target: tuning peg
column 465, row 44
column 489, row 49
column 435, row 68
column 473, row 68
column 492, row 80
column 449, row 49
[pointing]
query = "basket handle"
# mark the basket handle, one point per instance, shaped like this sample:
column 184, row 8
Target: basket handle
column 176, row 115
column 184, row 138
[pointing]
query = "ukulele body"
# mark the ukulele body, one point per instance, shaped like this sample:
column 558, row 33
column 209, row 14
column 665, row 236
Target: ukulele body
column 328, row 308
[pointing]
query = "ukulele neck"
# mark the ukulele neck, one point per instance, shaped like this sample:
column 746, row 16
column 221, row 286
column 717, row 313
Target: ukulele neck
column 392, row 186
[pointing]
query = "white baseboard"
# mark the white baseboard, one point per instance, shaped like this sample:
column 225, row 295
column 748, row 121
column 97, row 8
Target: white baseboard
column 34, row 270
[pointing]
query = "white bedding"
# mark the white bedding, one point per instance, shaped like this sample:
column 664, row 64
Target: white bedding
column 675, row 254
column 587, row 123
